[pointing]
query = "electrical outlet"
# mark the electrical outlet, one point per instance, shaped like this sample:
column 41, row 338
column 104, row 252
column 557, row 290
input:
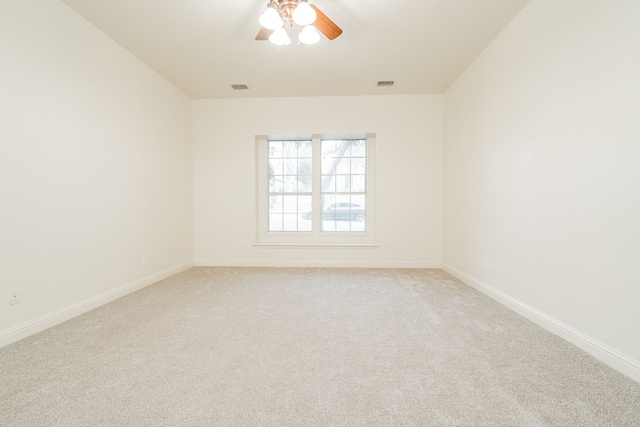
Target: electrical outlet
column 486, row 264
column 14, row 297
column 145, row 259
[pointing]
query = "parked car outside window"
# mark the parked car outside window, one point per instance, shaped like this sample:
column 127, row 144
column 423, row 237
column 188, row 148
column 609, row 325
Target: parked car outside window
column 341, row 212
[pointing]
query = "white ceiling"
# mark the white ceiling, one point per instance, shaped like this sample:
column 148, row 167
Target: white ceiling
column 205, row 46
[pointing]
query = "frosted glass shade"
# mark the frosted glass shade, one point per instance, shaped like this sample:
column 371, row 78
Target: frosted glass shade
column 304, row 14
column 280, row 37
column 270, row 19
column 309, row 35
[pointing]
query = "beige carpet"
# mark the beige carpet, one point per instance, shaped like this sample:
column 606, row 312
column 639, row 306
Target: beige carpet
column 307, row 347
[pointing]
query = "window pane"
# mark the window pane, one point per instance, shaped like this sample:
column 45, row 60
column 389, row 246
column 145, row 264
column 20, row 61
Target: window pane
column 328, row 225
column 328, row 183
column 305, row 211
column 357, row 183
column 275, row 149
column 290, row 184
column 343, row 226
column 275, row 222
column 343, row 183
column 358, row 165
column 290, row 222
column 290, row 149
column 326, row 165
column 358, row 200
column 276, row 167
column 275, row 204
column 290, row 173
column 343, row 166
column 275, row 184
column 304, row 204
column 304, row 149
column 343, row 200
column 290, row 204
column 359, row 148
column 290, row 166
column 344, row 213
column 326, row 201
column 343, row 148
column 304, row 166
column 304, row 175
column 304, row 184
column 304, row 225
column 328, row 148
column 357, row 225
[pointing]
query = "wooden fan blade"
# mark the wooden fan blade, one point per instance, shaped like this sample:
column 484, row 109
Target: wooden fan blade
column 325, row 25
column 264, row 34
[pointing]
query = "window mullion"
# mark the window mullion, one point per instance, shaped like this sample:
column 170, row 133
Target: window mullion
column 316, row 185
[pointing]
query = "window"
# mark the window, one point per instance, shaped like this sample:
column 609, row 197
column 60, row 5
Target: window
column 316, row 189
column 290, row 197
column 343, row 197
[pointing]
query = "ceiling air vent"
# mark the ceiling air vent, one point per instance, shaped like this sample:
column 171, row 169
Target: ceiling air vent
column 240, row 87
column 386, row 83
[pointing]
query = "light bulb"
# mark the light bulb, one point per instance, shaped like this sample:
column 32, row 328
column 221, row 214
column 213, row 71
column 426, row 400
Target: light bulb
column 309, row 35
column 304, row 14
column 280, row 37
column 271, row 19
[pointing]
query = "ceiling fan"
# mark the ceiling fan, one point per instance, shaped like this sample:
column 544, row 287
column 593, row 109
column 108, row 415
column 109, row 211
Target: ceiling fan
column 280, row 13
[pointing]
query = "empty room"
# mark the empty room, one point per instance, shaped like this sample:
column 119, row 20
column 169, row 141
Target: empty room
column 319, row 213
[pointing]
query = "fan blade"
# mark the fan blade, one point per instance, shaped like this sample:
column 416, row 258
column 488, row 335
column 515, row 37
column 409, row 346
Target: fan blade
column 263, row 34
column 325, row 25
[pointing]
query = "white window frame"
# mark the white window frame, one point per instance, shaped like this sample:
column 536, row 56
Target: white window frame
column 316, row 237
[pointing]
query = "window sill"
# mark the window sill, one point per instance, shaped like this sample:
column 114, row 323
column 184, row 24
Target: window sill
column 312, row 245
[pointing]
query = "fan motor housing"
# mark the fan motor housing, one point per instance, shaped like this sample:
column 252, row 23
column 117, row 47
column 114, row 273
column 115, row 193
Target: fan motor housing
column 286, row 8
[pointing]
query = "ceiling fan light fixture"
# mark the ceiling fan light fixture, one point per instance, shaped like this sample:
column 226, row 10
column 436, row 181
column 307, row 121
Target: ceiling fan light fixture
column 271, row 19
column 297, row 14
column 309, row 35
column 280, row 37
column 303, row 14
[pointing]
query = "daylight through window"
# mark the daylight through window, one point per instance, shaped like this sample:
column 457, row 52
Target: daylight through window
column 315, row 188
column 344, row 163
column 290, row 201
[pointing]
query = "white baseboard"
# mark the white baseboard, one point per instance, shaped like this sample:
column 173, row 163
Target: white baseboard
column 618, row 361
column 41, row 323
column 308, row 263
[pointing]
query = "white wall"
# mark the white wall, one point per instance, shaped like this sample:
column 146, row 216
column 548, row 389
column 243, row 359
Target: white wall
column 95, row 168
column 408, row 176
column 541, row 176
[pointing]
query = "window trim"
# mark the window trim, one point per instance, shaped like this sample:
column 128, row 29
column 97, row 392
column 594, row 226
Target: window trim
column 314, row 238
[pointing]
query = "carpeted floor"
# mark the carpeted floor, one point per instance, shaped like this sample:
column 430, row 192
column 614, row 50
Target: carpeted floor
column 307, row 347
